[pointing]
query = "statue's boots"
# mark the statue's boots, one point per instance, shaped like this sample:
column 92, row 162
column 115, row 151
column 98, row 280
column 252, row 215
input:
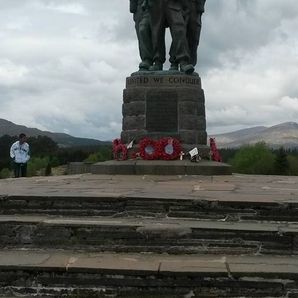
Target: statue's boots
column 174, row 67
column 145, row 65
column 156, row 66
column 186, row 68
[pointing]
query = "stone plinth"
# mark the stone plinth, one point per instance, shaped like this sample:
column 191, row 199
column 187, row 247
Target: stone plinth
column 161, row 167
column 165, row 105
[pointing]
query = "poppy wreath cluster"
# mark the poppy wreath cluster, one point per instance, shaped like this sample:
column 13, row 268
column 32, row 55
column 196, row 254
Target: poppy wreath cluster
column 119, row 150
column 165, row 148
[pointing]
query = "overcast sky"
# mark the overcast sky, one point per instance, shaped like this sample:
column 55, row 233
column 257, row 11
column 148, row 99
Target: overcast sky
column 63, row 64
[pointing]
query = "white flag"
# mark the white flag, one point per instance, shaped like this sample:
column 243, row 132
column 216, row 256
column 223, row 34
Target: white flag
column 130, row 144
column 193, row 152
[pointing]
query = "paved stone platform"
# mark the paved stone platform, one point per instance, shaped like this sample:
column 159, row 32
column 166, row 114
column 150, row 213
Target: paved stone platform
column 234, row 188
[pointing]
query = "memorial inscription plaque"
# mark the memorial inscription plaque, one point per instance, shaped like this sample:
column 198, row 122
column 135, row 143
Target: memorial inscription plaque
column 162, row 111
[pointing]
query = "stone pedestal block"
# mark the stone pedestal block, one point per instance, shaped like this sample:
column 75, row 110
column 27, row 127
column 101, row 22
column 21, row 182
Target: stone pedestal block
column 165, row 105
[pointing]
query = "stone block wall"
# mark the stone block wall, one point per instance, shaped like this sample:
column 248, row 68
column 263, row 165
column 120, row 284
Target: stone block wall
column 160, row 105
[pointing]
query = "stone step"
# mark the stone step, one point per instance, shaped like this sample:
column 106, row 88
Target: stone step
column 50, row 273
column 148, row 235
column 162, row 206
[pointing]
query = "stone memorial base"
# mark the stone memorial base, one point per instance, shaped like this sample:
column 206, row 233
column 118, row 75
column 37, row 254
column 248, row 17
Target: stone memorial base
column 160, row 167
column 156, row 105
column 165, row 104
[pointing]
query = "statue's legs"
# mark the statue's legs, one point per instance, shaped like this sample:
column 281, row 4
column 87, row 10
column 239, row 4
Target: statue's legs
column 179, row 52
column 194, row 26
column 158, row 24
column 145, row 42
column 174, row 64
column 178, row 33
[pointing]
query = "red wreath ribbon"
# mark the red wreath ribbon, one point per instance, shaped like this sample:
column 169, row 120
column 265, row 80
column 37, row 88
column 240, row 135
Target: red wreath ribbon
column 144, row 144
column 163, row 143
column 120, row 151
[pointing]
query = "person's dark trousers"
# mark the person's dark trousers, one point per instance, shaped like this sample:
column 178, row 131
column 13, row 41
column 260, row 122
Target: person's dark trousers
column 20, row 170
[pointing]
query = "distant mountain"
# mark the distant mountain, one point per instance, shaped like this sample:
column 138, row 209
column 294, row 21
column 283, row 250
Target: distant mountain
column 62, row 139
column 284, row 134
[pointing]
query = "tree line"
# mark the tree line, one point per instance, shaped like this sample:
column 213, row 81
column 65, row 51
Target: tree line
column 260, row 159
column 46, row 154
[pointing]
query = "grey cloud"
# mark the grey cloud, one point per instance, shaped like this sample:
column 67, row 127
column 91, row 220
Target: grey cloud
column 75, row 56
column 242, row 25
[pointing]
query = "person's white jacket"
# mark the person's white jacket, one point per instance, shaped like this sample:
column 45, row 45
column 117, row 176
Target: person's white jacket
column 20, row 152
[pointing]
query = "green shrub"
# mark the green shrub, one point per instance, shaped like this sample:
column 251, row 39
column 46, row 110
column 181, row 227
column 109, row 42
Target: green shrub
column 35, row 164
column 102, row 155
column 254, row 159
column 94, row 157
column 5, row 173
column 293, row 165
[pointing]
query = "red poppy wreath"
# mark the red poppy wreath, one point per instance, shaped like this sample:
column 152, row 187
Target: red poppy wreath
column 169, row 148
column 119, row 150
column 148, row 149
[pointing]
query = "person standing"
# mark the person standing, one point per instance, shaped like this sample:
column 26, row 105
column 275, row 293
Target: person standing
column 19, row 152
